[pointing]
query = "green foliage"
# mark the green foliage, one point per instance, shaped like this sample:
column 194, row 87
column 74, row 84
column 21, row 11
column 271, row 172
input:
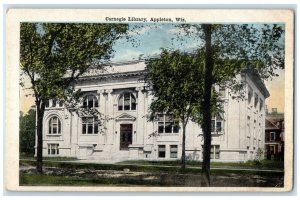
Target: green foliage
column 156, row 167
column 258, row 157
column 27, row 132
column 54, row 55
column 236, row 46
column 50, row 180
column 175, row 79
column 264, row 164
column 230, row 50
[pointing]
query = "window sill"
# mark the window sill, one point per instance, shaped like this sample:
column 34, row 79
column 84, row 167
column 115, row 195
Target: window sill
column 53, row 135
column 120, row 111
column 217, row 133
column 89, row 134
column 168, row 134
column 214, row 133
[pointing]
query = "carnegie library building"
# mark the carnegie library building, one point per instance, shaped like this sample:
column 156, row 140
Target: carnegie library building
column 119, row 94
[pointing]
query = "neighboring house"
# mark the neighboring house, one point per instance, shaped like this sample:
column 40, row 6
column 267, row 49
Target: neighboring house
column 119, row 93
column 274, row 139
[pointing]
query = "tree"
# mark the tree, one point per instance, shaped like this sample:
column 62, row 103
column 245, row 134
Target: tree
column 176, row 82
column 27, row 132
column 230, row 49
column 55, row 55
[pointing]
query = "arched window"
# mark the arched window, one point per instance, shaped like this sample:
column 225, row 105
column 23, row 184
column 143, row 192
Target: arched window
column 127, row 101
column 90, row 101
column 54, row 126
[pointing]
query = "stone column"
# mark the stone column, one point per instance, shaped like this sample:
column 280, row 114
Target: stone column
column 110, row 115
column 101, row 102
column 140, row 123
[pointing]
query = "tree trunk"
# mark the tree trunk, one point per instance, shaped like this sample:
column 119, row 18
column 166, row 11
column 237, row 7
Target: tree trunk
column 40, row 108
column 183, row 146
column 208, row 82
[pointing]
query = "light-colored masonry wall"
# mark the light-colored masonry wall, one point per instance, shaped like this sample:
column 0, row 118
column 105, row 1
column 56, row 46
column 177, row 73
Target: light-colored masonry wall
column 241, row 136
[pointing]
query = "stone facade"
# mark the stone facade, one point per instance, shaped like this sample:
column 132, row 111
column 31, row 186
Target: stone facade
column 119, row 94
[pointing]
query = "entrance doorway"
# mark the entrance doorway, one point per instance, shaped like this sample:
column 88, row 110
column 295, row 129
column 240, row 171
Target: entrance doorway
column 125, row 136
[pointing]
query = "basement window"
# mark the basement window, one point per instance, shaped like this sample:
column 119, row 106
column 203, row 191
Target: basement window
column 161, row 151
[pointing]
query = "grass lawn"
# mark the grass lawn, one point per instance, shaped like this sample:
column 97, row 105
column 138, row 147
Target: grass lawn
column 83, row 174
column 264, row 164
column 50, row 180
column 87, row 174
column 155, row 166
column 31, row 156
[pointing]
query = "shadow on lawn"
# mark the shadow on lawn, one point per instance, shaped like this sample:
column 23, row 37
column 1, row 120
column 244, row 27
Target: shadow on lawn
column 64, row 176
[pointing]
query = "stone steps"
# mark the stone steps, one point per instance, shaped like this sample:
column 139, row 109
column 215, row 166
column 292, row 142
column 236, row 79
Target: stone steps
column 109, row 156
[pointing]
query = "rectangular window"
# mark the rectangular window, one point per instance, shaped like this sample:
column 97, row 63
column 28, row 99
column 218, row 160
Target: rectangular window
column 214, row 151
column 53, row 149
column 272, row 136
column 255, row 100
column 216, row 124
column 173, row 151
column 83, row 128
column 213, row 127
column 161, row 151
column 248, row 142
column 160, row 127
column 219, row 126
column 217, row 151
column 166, row 124
column 90, row 125
column 90, row 128
column 254, row 143
column 175, row 127
column 261, row 104
column 168, row 127
column 90, row 101
column 250, row 94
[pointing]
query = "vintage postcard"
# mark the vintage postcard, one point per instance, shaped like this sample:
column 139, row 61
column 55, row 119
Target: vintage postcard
column 149, row 100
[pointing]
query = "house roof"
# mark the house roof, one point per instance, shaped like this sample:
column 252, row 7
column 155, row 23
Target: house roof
column 270, row 125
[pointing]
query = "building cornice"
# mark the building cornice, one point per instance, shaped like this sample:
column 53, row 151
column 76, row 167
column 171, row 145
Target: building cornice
column 130, row 74
column 256, row 79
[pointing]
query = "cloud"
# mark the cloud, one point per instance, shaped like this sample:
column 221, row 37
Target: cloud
column 192, row 31
column 142, row 29
column 126, row 55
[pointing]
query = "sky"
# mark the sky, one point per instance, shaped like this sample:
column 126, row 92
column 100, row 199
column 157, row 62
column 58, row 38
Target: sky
column 148, row 41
